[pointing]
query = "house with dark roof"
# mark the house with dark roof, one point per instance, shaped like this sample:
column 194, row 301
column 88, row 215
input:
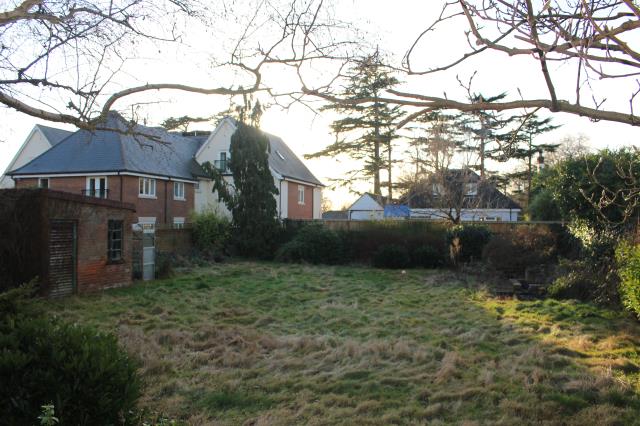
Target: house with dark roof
column 39, row 140
column 150, row 168
column 460, row 195
column 158, row 171
column 299, row 191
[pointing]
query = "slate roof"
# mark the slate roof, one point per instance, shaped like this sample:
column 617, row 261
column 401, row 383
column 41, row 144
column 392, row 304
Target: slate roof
column 119, row 147
column 53, row 135
column 290, row 166
column 487, row 197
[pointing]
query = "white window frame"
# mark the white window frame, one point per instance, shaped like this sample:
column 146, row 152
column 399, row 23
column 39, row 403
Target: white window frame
column 40, row 183
column 96, row 188
column 146, row 187
column 301, row 194
column 471, row 189
column 178, row 222
column 196, row 187
column 178, row 191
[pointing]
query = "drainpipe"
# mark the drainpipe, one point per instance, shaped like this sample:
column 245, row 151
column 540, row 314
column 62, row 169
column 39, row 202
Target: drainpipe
column 280, row 198
column 166, row 204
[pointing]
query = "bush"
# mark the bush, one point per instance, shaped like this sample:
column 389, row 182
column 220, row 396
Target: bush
column 314, row 244
column 164, row 264
column 391, row 257
column 426, row 257
column 514, row 252
column 628, row 260
column 594, row 275
column 211, row 233
column 467, row 241
column 360, row 244
column 544, row 207
column 84, row 374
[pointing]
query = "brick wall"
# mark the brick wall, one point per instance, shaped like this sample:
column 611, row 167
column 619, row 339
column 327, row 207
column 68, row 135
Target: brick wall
column 299, row 211
column 126, row 188
column 175, row 241
column 93, row 270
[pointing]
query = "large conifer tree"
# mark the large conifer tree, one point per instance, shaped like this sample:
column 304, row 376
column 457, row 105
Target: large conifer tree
column 365, row 132
column 251, row 197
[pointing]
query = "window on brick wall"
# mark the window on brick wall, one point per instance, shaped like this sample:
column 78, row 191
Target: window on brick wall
column 43, row 183
column 147, row 187
column 178, row 222
column 96, row 187
column 300, row 194
column 178, row 190
column 114, row 238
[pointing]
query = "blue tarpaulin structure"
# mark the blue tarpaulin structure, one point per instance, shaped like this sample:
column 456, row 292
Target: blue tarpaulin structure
column 397, row 211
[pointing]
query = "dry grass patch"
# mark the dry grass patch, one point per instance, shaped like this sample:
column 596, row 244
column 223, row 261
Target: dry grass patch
column 258, row 343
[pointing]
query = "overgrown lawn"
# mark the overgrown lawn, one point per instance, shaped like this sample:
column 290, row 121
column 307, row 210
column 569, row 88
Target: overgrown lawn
column 261, row 343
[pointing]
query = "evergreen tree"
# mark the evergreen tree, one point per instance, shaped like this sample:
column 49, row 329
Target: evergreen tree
column 182, row 123
column 486, row 134
column 526, row 149
column 366, row 131
column 252, row 198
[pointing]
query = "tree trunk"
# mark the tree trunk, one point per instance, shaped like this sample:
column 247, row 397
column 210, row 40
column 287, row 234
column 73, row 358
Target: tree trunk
column 376, row 176
column 390, row 185
column 529, row 173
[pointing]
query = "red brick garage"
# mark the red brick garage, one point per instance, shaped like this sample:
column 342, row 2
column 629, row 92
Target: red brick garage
column 73, row 244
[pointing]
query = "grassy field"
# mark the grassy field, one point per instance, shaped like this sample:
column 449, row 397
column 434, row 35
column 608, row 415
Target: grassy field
column 258, row 343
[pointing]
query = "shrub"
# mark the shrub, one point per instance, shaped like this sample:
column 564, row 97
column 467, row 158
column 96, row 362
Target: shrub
column 314, row 244
column 210, row 233
column 360, row 244
column 513, row 252
column 426, row 257
column 391, row 257
column 628, row 260
column 164, row 264
column 84, row 374
column 593, row 276
column 467, row 241
column 544, row 207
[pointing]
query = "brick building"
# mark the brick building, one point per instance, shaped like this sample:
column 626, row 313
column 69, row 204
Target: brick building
column 74, row 244
column 148, row 167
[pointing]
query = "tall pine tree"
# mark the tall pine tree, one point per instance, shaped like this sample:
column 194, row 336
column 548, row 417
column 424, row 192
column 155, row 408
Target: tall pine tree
column 485, row 130
column 365, row 132
column 526, row 149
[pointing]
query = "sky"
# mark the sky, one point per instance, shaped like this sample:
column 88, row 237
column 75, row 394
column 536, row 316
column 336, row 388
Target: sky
column 390, row 26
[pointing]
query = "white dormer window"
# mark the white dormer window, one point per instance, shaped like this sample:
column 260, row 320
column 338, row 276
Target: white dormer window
column 178, row 191
column 471, row 189
column 300, row 194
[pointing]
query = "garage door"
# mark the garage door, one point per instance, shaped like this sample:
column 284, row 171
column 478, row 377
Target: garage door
column 62, row 258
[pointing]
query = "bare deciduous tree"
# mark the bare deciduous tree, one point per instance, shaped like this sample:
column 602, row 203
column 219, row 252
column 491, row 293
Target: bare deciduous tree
column 59, row 59
column 598, row 37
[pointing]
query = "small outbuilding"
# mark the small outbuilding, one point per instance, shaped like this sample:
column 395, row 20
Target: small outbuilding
column 367, row 207
column 71, row 243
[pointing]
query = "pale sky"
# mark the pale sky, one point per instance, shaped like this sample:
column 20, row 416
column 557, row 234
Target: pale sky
column 392, row 26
